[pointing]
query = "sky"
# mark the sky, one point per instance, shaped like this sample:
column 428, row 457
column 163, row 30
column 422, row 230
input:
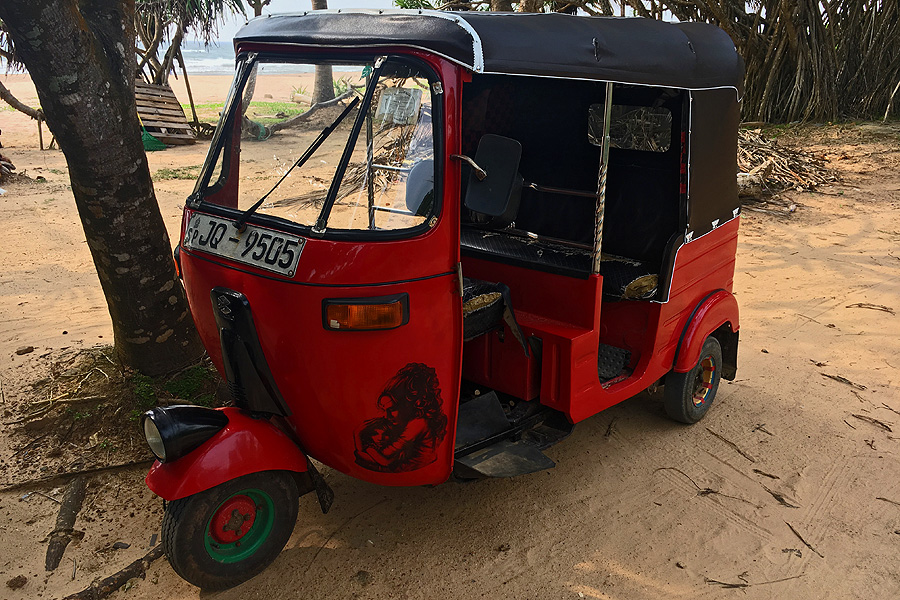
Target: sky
column 227, row 31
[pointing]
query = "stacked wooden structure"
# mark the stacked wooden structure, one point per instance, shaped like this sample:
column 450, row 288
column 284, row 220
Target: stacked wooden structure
column 161, row 114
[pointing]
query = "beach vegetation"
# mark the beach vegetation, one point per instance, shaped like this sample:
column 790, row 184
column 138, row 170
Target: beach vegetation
column 341, row 86
column 189, row 172
column 159, row 21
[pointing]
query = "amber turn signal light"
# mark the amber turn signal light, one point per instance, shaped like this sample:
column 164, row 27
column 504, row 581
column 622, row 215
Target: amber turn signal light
column 366, row 314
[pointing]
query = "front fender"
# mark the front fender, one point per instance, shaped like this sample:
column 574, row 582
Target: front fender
column 246, row 445
column 715, row 310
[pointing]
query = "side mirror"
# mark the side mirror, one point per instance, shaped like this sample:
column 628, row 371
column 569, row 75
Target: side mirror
column 497, row 195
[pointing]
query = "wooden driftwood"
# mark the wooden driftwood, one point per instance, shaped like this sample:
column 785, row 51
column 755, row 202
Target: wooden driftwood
column 6, row 96
column 751, row 185
column 105, row 587
column 53, row 479
column 64, row 531
column 293, row 121
column 781, row 167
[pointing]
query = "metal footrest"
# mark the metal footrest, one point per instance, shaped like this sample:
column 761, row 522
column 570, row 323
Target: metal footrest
column 552, row 431
column 498, row 440
column 479, row 419
column 504, row 459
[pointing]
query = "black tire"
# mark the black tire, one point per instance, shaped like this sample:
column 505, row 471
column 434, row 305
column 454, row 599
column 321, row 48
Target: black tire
column 213, row 558
column 688, row 396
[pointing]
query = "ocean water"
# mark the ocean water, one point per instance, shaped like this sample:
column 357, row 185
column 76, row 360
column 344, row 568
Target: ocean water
column 215, row 59
column 218, row 59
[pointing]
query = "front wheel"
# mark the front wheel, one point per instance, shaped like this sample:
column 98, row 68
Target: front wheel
column 225, row 535
column 688, row 396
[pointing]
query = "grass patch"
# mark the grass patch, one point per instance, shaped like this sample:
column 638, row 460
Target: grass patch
column 144, row 391
column 776, row 130
column 196, row 384
column 206, row 111
column 97, row 425
column 273, row 112
column 261, row 108
column 190, row 172
column 261, row 112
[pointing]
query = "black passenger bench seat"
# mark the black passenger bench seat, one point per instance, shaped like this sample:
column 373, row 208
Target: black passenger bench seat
column 623, row 278
column 482, row 307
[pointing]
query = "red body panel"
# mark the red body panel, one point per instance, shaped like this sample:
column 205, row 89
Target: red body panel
column 496, row 360
column 246, row 445
column 715, row 311
column 332, row 380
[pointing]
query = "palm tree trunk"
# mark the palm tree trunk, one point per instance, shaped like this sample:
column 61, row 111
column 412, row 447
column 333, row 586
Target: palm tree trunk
column 323, row 88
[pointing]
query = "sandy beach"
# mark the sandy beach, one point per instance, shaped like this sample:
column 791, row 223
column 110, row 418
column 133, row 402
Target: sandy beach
column 788, row 489
column 61, row 294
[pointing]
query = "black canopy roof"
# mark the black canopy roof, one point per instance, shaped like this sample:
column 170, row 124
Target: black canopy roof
column 625, row 50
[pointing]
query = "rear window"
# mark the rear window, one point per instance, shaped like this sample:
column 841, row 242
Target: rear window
column 645, row 128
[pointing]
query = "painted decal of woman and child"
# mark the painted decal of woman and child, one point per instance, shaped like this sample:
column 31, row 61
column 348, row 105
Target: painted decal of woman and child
column 407, row 436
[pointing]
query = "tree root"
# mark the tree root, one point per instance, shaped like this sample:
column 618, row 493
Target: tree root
column 64, row 476
column 105, row 587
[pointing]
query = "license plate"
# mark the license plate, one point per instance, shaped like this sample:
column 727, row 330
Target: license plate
column 263, row 248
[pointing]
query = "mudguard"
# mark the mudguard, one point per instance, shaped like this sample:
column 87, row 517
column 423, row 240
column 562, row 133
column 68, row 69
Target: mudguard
column 246, row 445
column 715, row 310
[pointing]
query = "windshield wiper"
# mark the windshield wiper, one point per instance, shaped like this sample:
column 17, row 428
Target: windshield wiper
column 319, row 227
column 241, row 223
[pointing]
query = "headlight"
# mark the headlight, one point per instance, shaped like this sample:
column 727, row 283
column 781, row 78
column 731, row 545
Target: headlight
column 154, row 440
column 174, row 431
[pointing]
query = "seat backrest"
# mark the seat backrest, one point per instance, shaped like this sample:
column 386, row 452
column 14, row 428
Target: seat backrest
column 495, row 199
column 420, row 187
column 642, row 205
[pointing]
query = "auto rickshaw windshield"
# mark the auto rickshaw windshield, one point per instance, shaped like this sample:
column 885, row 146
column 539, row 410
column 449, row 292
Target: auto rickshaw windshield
column 387, row 175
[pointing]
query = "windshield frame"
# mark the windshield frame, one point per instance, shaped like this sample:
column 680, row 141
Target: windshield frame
column 243, row 65
column 222, row 142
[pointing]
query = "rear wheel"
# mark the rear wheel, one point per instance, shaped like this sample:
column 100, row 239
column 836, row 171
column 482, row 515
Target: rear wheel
column 223, row 536
column 688, row 396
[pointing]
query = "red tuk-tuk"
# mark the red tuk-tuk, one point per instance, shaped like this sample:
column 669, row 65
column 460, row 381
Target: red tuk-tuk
column 504, row 224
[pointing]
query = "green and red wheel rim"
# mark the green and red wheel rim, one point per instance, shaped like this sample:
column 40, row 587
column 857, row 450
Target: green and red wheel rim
column 239, row 526
column 703, row 383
